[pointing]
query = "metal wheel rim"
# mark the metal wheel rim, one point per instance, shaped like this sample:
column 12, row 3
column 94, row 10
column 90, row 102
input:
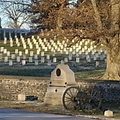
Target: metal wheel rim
column 90, row 100
column 70, row 98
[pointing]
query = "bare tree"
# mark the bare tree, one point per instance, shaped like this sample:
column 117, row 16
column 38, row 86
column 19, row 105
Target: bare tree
column 14, row 11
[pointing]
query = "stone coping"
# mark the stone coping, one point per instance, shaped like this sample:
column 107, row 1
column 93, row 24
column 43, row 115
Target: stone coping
column 23, row 77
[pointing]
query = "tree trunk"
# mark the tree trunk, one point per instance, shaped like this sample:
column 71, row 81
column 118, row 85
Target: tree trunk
column 15, row 24
column 113, row 60
column 112, row 69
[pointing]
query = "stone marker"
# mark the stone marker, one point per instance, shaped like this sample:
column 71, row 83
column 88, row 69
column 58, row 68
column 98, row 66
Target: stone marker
column 36, row 62
column 10, row 62
column 97, row 64
column 23, row 62
column 21, row 97
column 108, row 113
column 61, row 78
column 6, row 59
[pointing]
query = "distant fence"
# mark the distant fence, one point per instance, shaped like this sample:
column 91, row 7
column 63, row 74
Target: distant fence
column 7, row 33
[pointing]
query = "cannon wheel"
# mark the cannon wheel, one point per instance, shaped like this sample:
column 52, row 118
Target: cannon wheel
column 90, row 100
column 70, row 99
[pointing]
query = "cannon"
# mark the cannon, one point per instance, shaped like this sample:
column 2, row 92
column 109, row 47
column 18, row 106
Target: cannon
column 88, row 100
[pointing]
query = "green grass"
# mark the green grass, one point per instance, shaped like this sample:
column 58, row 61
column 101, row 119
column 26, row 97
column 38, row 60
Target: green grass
column 25, row 71
column 88, row 75
column 41, row 71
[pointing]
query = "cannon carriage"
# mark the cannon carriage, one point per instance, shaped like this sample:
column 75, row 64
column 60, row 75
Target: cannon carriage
column 88, row 100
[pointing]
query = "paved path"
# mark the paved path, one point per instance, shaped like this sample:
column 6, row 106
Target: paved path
column 15, row 114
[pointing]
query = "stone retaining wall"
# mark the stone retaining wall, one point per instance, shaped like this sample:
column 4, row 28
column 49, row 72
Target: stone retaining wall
column 109, row 90
column 10, row 87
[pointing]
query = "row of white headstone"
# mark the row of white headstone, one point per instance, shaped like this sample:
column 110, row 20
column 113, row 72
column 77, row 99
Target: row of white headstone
column 34, row 48
column 52, row 45
column 50, row 59
column 37, row 62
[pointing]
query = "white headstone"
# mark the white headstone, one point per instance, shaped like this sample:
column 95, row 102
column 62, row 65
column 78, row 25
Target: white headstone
column 5, row 51
column 97, row 64
column 1, row 49
column 94, row 57
column 31, row 46
column 30, row 59
column 11, row 44
column 10, row 62
column 8, row 53
column 31, row 53
column 23, row 62
column 62, row 62
column 5, row 59
column 38, row 52
column 35, row 56
column 42, row 53
column 5, row 40
column 42, row 59
column 26, row 51
column 16, row 51
column 108, row 113
column 54, row 59
column 21, row 97
column 18, row 58
column 37, row 46
column 18, row 44
column 36, row 62
column 70, row 56
column 46, row 49
column 66, row 52
column 20, row 53
column 66, row 60
column 77, row 60
column 49, row 63
column 24, row 56
column 47, row 56
column 12, row 56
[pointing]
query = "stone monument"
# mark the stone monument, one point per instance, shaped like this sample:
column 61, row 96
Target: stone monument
column 62, row 77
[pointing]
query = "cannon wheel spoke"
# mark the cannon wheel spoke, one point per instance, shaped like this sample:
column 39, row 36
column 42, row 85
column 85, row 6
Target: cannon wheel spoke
column 90, row 100
column 70, row 98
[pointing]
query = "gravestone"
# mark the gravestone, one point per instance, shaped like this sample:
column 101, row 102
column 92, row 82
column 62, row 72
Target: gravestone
column 21, row 97
column 61, row 78
column 49, row 63
column 108, row 113
column 97, row 64
column 77, row 60
column 47, row 56
column 23, row 62
column 30, row 59
column 36, row 62
column 6, row 59
column 10, row 62
column 18, row 58
column 54, row 59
